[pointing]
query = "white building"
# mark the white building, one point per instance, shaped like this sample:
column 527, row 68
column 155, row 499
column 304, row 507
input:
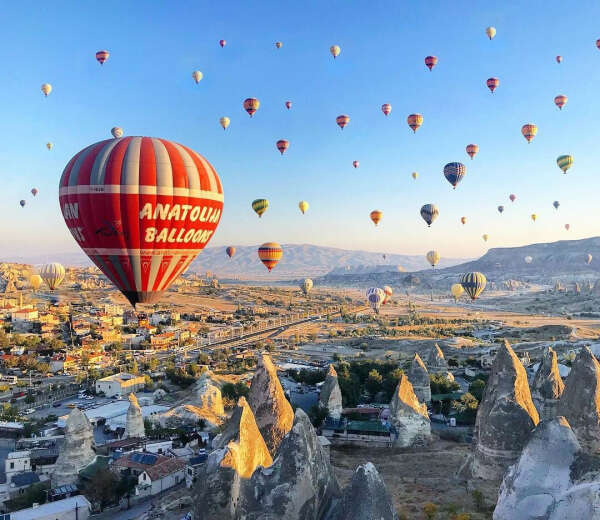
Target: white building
column 119, row 385
column 72, row 508
column 17, row 462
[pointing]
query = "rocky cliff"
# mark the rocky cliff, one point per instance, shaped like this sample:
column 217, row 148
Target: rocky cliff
column 418, row 376
column 436, row 362
column 134, row 422
column 408, row 416
column 547, row 385
column 331, row 395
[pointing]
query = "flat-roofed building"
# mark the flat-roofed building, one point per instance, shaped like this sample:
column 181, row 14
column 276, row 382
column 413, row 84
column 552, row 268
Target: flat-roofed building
column 119, row 384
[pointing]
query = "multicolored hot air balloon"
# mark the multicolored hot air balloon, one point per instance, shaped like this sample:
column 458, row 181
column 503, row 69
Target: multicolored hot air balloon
column 224, row 122
column 500, row 209
column 342, row 120
column 230, row 251
column 22, row 203
column 414, row 121
column 433, row 257
column 560, row 101
column 529, row 131
column 490, row 32
column 222, row 43
column 414, row 175
column 472, row 150
column 533, row 217
column 512, row 197
column 35, row 280
column 141, row 208
column 376, row 216
column 528, row 259
column 588, row 259
column 335, row 51
column 564, row 162
column 102, row 56
column 46, row 89
column 567, row 226
column 278, row 45
column 375, row 297
column 260, row 206
column 463, row 220
column 288, row 104
column 306, row 285
column 356, row 164
column 454, row 173
column 303, row 205
column 34, row 191
column 386, row 108
column 49, row 146
column 197, row 75
column 251, row 105
column 485, row 237
column 270, row 253
column 559, row 59
column 282, row 145
column 473, row 284
column 492, row 84
column 556, row 204
column 117, row 132
column 53, row 274
column 457, row 291
column 387, row 290
column 431, row 61
column 429, row 212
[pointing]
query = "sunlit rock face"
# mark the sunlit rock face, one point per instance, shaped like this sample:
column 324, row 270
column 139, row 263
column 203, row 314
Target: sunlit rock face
column 331, row 396
column 77, row 451
column 436, row 362
column 408, row 416
column 207, row 395
column 580, row 401
column 505, row 418
column 134, row 422
column 547, row 386
column 273, row 412
column 419, row 379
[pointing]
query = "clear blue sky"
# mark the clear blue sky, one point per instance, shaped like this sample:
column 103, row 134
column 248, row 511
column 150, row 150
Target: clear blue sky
column 146, row 87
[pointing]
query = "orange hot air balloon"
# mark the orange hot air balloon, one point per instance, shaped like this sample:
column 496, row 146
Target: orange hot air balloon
column 270, row 253
column 560, row 101
column 376, row 216
column 529, row 131
column 288, row 104
column 230, row 251
column 251, row 105
column 386, row 108
column 356, row 164
column 102, row 56
column 463, row 220
column 493, row 83
column 559, row 59
column 431, row 61
column 472, row 150
column 222, row 43
column 342, row 120
column 282, row 145
column 414, row 121
column 278, row 45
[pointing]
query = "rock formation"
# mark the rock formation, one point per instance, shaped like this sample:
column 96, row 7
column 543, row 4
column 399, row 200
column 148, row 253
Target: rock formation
column 505, row 418
column 331, row 395
column 208, row 395
column 419, row 379
column 365, row 497
column 408, row 416
column 134, row 423
column 553, row 479
column 77, row 451
column 580, row 401
column 547, row 386
column 273, row 412
column 436, row 362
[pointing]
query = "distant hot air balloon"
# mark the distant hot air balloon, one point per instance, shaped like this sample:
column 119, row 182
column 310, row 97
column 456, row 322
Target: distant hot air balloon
column 588, row 259
column 222, row 43
column 386, row 108
column 22, row 202
column 356, row 164
column 512, row 197
column 556, row 204
column 342, row 120
column 260, row 206
column 463, row 220
column 34, row 191
column 429, row 212
column 559, row 59
column 102, row 56
column 282, row 145
column 116, row 132
column 473, row 283
column 454, row 173
column 35, row 280
column 376, row 216
column 414, row 175
column 142, row 208
column 528, row 259
column 288, row 104
column 303, row 205
column 375, row 297
column 53, row 274
column 598, row 44
column 49, row 146
column 433, row 257
column 457, row 291
column 491, row 32
column 335, row 51
column 472, row 150
column 431, row 61
column 529, row 131
column 46, row 89
column 567, row 226
column 251, row 105
column 387, row 290
column 533, row 217
column 560, row 101
column 278, row 45
column 493, row 83
column 500, row 209
column 414, row 121
column 306, row 285
column 230, row 251
column 197, row 75
column 564, row 162
column 270, row 253
column 485, row 237
column 224, row 122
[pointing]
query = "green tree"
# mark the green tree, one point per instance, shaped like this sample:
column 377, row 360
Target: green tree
column 317, row 415
column 430, row 510
column 101, row 488
column 374, row 382
column 476, row 388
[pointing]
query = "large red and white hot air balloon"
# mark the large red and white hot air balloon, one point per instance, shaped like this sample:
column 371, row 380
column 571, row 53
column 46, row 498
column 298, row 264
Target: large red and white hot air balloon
column 141, row 208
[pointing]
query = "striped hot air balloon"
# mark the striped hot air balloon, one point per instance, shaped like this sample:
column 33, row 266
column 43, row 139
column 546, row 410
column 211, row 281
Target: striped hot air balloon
column 102, row 56
column 473, row 284
column 335, row 51
column 222, row 43
column 278, row 45
column 564, row 162
column 598, row 43
column 376, row 216
column 306, row 285
column 251, row 105
column 260, row 206
column 342, row 120
column 53, row 274
column 529, row 131
column 356, row 164
column 429, row 212
column 288, row 104
column 387, row 290
column 386, row 108
column 117, row 132
column 375, row 297
column 559, row 59
column 270, row 253
column 472, row 150
column 230, row 251
column 141, row 208
column 454, row 173
column 282, row 145
column 433, row 257
column 414, row 121
column 431, row 61
column 493, row 83
column 560, row 101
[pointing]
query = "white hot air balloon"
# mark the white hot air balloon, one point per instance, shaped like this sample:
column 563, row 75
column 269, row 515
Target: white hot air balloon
column 116, row 132
column 375, row 297
column 53, row 274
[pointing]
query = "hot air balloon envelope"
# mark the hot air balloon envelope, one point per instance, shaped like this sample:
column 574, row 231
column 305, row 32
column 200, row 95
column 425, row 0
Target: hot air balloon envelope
column 473, row 284
column 270, row 253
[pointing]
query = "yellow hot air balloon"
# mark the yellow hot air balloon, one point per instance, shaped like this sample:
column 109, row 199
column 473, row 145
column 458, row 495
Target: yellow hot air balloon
column 35, row 281
column 46, row 89
column 224, row 122
column 529, row 131
column 303, row 205
column 457, row 291
column 491, row 32
column 197, row 75
column 564, row 162
column 414, row 175
column 376, row 216
column 49, row 146
column 433, row 257
column 473, row 283
column 335, row 51
column 306, row 286
column 533, row 217
column 414, row 121
column 53, row 274
column 260, row 206
column 485, row 237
